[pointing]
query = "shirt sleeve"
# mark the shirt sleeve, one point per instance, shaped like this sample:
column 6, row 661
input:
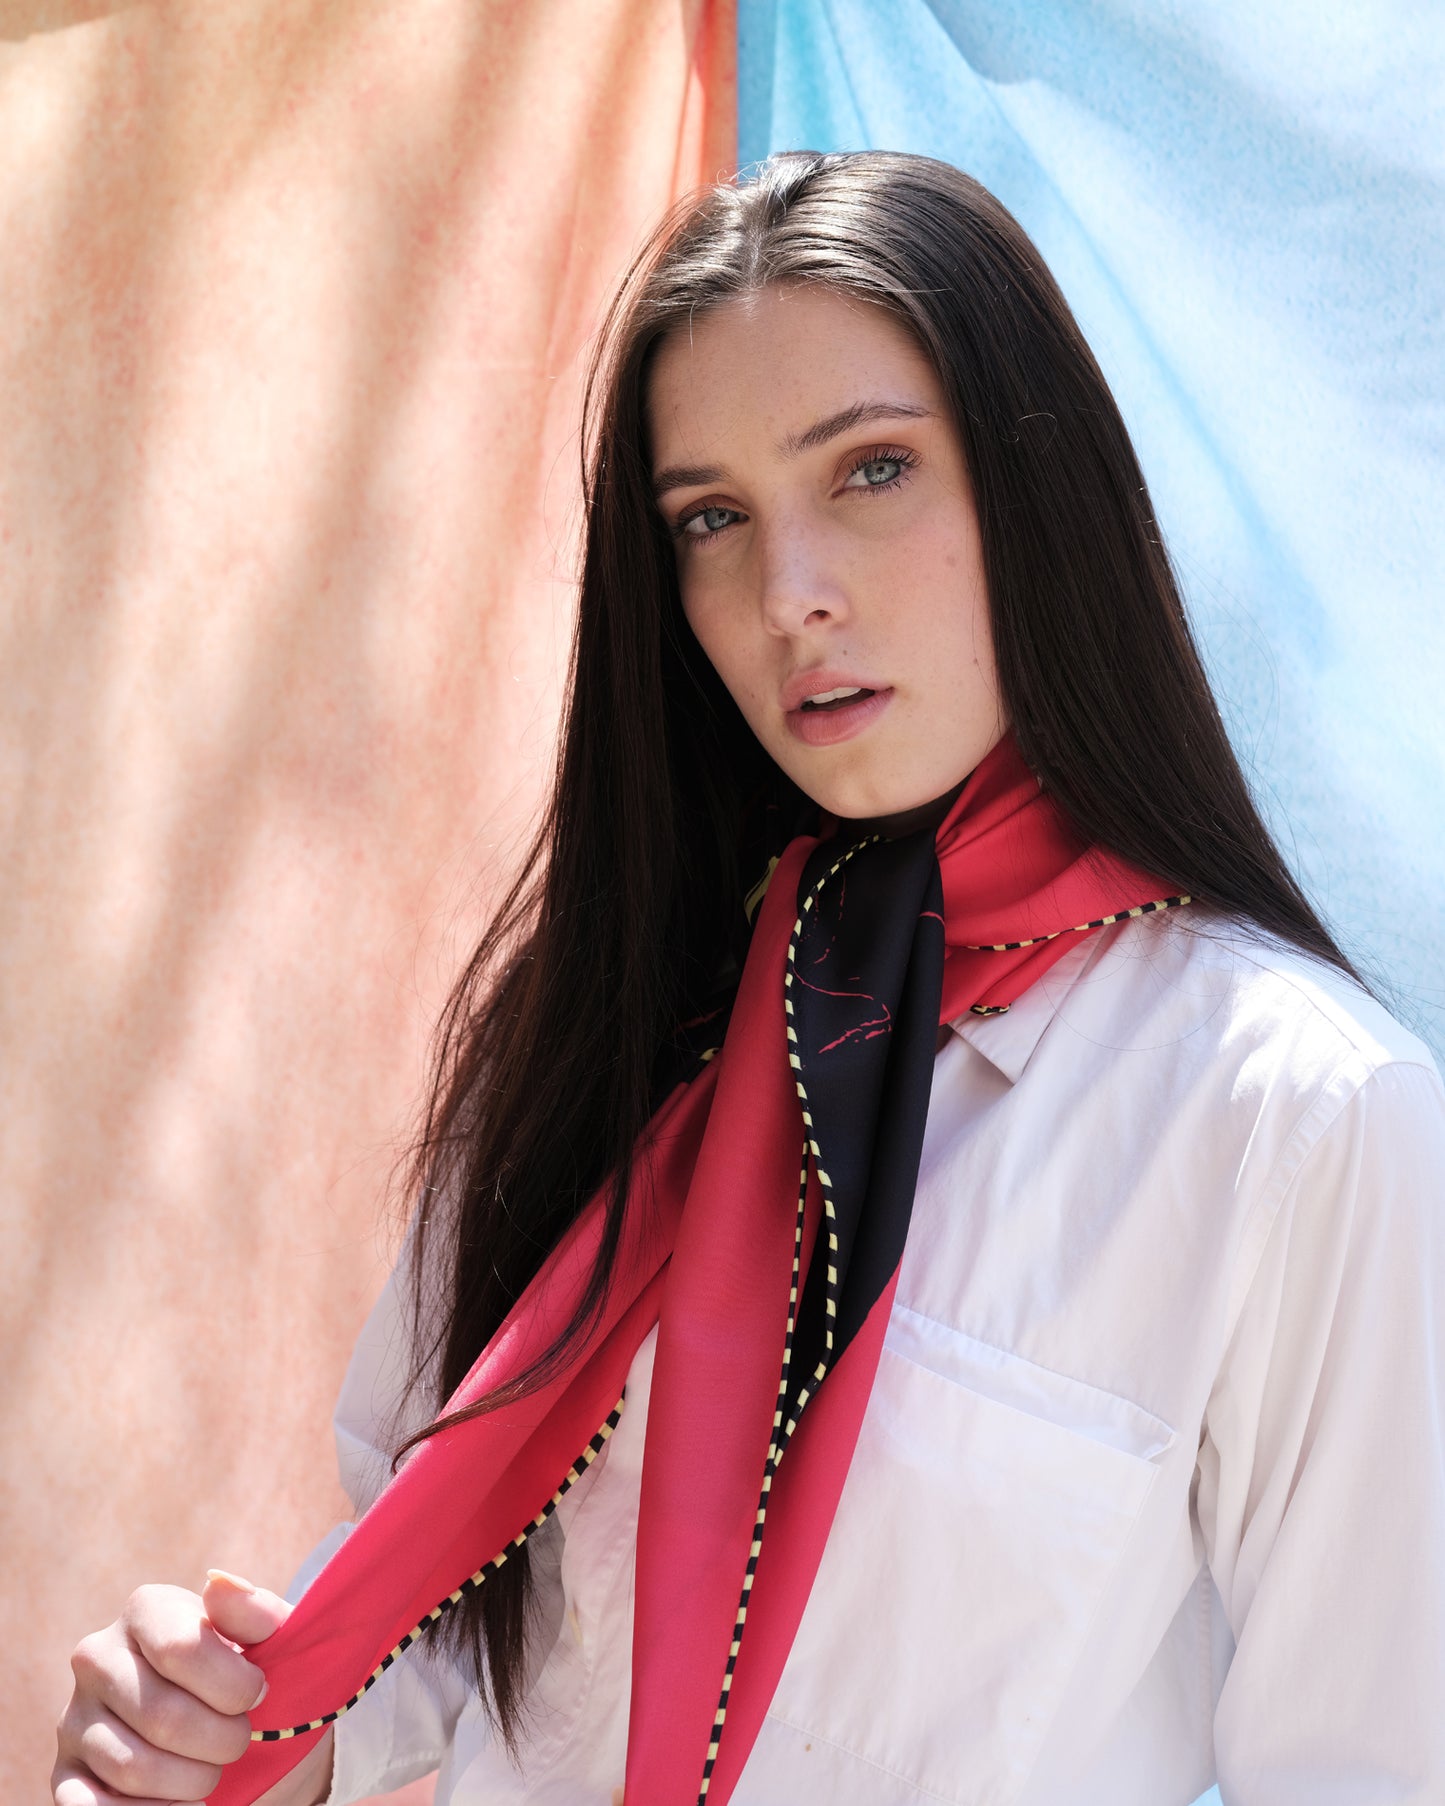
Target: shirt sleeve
column 403, row 1727
column 1322, row 1470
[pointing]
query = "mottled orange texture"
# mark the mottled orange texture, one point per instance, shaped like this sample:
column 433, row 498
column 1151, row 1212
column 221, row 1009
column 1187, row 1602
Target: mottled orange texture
column 297, row 296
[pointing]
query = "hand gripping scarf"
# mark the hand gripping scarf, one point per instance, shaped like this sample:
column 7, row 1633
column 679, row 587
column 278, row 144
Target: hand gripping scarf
column 763, row 1236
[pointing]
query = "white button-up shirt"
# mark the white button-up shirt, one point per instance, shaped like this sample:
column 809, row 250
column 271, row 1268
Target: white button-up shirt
column 1150, row 1490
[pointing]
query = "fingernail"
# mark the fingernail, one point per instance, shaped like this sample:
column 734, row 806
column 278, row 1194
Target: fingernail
column 265, row 1689
column 230, row 1580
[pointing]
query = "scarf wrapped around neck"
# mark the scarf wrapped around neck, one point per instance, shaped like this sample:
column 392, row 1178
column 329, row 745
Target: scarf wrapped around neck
column 765, row 1226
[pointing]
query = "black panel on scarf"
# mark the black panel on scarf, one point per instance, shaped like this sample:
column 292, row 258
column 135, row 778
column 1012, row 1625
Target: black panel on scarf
column 868, row 976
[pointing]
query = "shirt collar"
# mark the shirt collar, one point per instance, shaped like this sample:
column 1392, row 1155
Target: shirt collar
column 1008, row 1041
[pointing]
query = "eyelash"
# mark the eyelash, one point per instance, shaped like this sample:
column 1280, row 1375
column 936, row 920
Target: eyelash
column 878, row 454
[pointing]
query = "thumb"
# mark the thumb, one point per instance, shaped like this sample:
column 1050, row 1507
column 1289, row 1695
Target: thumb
column 240, row 1611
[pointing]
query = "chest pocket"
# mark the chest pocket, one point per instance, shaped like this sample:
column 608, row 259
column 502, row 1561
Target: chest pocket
column 988, row 1506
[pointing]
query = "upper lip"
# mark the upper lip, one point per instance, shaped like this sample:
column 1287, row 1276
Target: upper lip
column 803, row 684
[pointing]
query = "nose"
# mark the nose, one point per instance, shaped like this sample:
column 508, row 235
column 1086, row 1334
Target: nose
column 801, row 585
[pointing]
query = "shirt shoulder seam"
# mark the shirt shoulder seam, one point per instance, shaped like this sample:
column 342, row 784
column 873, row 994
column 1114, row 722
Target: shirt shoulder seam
column 1249, row 943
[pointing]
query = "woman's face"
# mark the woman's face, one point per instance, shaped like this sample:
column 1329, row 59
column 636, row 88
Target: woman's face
column 827, row 542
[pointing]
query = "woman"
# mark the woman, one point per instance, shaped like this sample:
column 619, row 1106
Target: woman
column 935, row 1277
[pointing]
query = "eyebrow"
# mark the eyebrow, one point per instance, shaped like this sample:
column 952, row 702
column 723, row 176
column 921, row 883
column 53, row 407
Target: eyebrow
column 831, row 426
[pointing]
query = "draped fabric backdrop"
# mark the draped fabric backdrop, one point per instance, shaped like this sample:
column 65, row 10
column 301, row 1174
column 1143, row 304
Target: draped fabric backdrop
column 295, row 299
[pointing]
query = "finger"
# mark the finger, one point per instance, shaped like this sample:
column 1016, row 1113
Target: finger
column 123, row 1760
column 169, row 1628
column 244, row 1613
column 165, row 1715
column 110, row 1668
column 71, row 1786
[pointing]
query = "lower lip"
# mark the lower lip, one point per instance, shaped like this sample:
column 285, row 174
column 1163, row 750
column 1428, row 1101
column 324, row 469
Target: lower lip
column 826, row 727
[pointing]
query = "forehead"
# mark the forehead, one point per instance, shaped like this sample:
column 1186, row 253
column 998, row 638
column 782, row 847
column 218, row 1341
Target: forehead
column 762, row 366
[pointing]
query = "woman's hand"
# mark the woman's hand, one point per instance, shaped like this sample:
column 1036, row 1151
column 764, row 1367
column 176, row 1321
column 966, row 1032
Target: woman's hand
column 161, row 1698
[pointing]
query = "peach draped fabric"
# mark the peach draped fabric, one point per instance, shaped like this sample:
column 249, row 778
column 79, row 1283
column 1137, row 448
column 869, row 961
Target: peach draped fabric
column 296, row 298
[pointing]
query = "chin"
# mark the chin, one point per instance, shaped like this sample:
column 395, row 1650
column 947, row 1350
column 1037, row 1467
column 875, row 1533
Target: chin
column 893, row 809
column 848, row 805
column 856, row 803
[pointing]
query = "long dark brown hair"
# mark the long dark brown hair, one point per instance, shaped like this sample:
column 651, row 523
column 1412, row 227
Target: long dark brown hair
column 627, row 915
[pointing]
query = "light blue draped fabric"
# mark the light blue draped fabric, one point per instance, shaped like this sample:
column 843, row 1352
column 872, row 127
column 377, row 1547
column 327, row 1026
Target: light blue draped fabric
column 1245, row 208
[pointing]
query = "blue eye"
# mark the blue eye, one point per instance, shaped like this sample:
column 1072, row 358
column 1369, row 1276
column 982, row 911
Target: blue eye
column 706, row 522
column 880, row 469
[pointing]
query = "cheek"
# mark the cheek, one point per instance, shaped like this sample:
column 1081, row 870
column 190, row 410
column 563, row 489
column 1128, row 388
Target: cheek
column 715, row 627
column 956, row 616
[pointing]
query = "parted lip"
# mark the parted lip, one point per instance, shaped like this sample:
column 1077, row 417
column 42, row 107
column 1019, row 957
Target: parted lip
column 803, row 684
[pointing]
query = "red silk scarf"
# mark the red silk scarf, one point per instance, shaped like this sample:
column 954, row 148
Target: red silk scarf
column 765, row 1227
